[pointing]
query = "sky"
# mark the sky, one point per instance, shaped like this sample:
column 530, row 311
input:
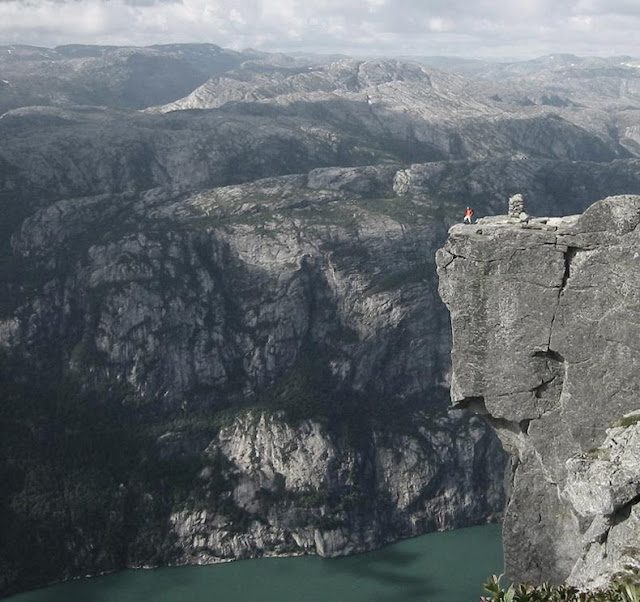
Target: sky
column 467, row 28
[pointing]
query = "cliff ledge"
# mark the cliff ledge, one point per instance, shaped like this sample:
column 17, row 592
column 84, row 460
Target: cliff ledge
column 545, row 315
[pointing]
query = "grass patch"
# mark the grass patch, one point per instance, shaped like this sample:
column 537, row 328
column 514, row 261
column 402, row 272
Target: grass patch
column 410, row 211
column 627, row 420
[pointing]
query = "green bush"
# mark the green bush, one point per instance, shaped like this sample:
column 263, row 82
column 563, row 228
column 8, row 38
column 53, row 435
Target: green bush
column 524, row 592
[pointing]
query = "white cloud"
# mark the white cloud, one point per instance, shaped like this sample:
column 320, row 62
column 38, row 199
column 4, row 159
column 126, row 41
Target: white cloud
column 472, row 27
column 581, row 23
column 440, row 24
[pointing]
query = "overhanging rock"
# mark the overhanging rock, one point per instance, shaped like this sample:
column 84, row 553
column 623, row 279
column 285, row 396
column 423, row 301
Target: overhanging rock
column 545, row 317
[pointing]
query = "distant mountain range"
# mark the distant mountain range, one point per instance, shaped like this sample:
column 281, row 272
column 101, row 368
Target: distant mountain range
column 220, row 335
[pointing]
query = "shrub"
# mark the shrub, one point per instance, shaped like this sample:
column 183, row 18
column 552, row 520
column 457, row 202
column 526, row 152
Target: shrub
column 525, row 592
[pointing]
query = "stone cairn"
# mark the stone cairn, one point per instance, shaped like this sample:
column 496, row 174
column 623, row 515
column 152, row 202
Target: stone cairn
column 516, row 206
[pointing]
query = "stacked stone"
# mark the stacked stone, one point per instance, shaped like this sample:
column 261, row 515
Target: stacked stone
column 516, row 205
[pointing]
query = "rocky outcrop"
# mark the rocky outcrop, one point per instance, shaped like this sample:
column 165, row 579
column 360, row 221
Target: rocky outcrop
column 298, row 489
column 243, row 371
column 198, row 369
column 544, row 316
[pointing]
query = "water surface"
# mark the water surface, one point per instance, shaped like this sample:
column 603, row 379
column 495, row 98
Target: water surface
column 439, row 567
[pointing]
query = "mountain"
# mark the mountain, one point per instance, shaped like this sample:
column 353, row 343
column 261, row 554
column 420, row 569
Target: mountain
column 220, row 332
column 587, row 79
column 544, row 313
column 588, row 91
column 248, row 370
column 345, row 114
column 589, row 97
column 124, row 77
column 244, row 371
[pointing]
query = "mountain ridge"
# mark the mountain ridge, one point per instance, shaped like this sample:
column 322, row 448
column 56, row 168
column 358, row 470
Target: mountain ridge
column 173, row 281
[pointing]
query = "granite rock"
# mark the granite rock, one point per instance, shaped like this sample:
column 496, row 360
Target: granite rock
column 544, row 319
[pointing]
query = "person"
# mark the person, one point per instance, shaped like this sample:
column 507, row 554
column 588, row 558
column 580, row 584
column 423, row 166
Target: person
column 468, row 214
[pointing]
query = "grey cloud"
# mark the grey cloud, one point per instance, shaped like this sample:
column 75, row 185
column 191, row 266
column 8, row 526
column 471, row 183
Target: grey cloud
column 149, row 2
column 609, row 7
column 471, row 27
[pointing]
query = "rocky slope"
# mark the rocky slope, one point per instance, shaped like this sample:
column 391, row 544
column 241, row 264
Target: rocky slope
column 298, row 489
column 220, row 334
column 145, row 334
column 250, row 370
column 597, row 94
column 544, row 316
column 125, row 77
column 560, row 80
column 447, row 110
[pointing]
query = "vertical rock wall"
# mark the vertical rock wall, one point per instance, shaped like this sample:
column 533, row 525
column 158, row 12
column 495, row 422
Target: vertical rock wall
column 546, row 328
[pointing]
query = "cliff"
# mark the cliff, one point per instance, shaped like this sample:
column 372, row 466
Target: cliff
column 545, row 319
column 220, row 334
column 243, row 371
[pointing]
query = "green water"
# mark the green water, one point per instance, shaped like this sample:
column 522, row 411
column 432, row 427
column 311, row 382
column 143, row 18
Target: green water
column 440, row 567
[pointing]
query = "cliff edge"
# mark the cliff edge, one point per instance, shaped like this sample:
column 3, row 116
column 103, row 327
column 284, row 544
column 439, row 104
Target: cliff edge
column 545, row 314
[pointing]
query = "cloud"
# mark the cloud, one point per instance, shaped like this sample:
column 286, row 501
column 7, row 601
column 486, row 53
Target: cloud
column 459, row 27
column 147, row 2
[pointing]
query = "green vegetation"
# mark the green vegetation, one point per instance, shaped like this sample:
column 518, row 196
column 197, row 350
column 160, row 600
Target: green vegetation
column 410, row 211
column 88, row 483
column 395, row 280
column 310, row 391
column 628, row 420
column 21, row 278
column 320, row 208
column 598, row 453
column 620, row 591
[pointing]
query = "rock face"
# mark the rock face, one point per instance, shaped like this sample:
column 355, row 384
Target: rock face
column 298, row 489
column 220, row 334
column 545, row 321
column 244, row 371
column 131, row 77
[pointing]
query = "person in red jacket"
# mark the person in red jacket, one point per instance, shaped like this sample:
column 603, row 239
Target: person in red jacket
column 468, row 214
